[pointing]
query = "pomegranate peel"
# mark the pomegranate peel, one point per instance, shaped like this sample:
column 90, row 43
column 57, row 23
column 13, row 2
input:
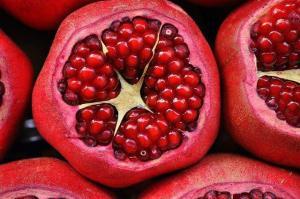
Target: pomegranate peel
column 19, row 180
column 227, row 176
column 80, row 108
column 15, row 88
column 41, row 14
column 261, row 96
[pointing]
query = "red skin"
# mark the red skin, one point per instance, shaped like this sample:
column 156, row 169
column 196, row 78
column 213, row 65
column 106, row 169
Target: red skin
column 212, row 3
column 47, row 174
column 259, row 131
column 220, row 170
column 42, row 14
column 99, row 163
column 16, row 74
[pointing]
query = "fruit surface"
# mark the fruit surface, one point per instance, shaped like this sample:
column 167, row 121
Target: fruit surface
column 226, row 176
column 15, row 87
column 41, row 14
column 259, row 59
column 45, row 178
column 133, row 93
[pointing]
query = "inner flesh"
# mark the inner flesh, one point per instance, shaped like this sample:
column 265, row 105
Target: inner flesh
column 135, row 87
column 276, row 44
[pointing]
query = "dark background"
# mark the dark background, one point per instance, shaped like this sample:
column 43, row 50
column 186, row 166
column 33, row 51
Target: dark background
column 36, row 45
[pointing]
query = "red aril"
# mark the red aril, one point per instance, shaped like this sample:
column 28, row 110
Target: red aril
column 15, row 86
column 45, row 178
column 262, row 105
column 42, row 14
column 122, row 120
column 226, row 176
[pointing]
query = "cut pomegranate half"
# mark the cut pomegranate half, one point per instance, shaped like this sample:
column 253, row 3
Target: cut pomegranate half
column 45, row 178
column 15, row 86
column 227, row 176
column 127, row 91
column 261, row 41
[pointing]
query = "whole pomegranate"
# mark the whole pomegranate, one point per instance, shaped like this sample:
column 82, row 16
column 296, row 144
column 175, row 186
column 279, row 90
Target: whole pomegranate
column 15, row 86
column 41, row 14
column 258, row 47
column 128, row 93
column 226, row 176
column 45, row 178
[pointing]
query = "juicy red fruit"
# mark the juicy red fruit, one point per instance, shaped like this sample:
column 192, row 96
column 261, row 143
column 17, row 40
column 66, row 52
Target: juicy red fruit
column 276, row 44
column 151, row 46
column 172, row 88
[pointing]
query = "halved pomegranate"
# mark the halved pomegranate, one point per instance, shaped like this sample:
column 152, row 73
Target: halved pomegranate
column 45, row 178
column 226, row 176
column 128, row 93
column 259, row 52
column 15, row 86
column 41, row 14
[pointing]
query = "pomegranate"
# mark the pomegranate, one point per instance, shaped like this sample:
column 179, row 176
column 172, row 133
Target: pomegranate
column 262, row 95
column 45, row 178
column 15, row 86
column 41, row 14
column 226, row 176
column 128, row 91
column 213, row 3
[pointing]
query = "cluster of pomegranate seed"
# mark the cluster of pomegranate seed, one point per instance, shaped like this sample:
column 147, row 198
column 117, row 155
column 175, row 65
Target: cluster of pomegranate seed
column 96, row 124
column 276, row 44
column 129, row 45
column 253, row 194
column 172, row 86
column 275, row 36
column 282, row 96
column 88, row 76
column 171, row 89
column 145, row 135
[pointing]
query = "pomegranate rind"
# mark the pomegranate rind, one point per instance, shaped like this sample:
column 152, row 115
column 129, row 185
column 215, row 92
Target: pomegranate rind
column 48, row 108
column 233, row 172
column 50, row 174
column 17, row 76
column 250, row 122
column 41, row 14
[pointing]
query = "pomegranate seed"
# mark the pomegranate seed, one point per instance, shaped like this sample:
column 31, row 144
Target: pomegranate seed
column 172, row 116
column 153, row 132
column 96, row 127
column 174, row 80
column 130, row 146
column 184, row 91
column 143, row 140
column 174, row 139
column 180, row 104
column 87, row 74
